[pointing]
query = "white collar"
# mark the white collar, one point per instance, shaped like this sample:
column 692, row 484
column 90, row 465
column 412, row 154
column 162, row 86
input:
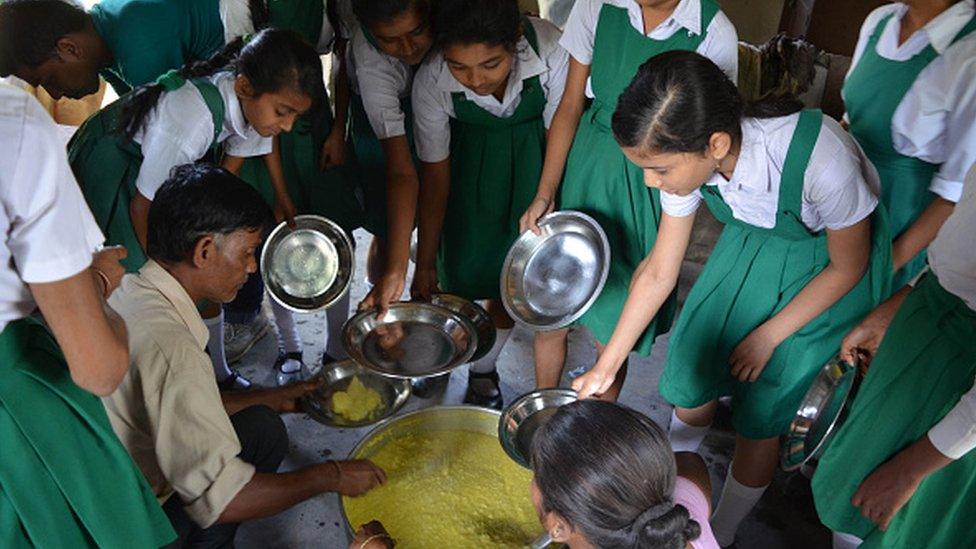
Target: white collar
column 687, row 14
column 234, row 121
column 527, row 64
column 941, row 30
column 752, row 166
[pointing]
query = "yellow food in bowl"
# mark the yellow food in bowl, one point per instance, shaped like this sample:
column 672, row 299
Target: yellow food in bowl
column 449, row 489
column 357, row 402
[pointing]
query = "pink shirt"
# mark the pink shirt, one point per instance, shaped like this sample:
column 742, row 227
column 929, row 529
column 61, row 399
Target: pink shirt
column 688, row 494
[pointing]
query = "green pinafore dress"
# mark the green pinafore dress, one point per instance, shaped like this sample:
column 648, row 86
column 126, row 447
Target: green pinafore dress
column 872, row 94
column 106, row 165
column 371, row 159
column 926, row 362
column 601, row 182
column 65, row 479
column 495, row 168
column 331, row 193
column 751, row 275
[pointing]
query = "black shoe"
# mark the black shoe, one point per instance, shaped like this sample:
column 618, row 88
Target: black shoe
column 284, row 378
column 475, row 398
column 426, row 387
column 235, row 382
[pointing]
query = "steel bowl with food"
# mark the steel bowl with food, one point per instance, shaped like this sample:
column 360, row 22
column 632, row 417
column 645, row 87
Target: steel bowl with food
column 526, row 415
column 551, row 279
column 411, row 340
column 352, row 396
column 820, row 414
column 308, row 267
column 449, row 484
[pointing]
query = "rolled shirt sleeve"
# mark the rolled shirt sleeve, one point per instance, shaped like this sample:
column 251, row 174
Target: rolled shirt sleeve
column 380, row 86
column 955, row 435
column 556, row 59
column 934, row 121
column 580, row 30
column 431, row 114
column 196, row 445
column 52, row 232
column 680, row 206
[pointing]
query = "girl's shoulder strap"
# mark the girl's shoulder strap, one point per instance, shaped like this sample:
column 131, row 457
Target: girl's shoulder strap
column 214, row 101
column 709, row 9
column 530, row 34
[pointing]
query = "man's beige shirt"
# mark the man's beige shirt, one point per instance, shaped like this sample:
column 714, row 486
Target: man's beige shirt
column 167, row 411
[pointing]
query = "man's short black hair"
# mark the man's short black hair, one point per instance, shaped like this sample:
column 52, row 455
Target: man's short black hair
column 30, row 30
column 199, row 200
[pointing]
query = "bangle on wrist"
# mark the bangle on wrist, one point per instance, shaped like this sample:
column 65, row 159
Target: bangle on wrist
column 105, row 282
column 371, row 538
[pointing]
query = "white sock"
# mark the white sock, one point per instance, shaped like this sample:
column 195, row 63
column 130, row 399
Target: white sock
column 685, row 437
column 488, row 364
column 846, row 541
column 215, row 346
column 335, row 317
column 734, row 505
column 288, row 336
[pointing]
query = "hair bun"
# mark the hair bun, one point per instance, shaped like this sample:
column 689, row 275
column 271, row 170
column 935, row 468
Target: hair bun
column 671, row 530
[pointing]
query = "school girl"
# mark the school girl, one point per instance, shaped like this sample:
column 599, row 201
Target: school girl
column 66, row 480
column 804, row 256
column 124, row 153
column 481, row 103
column 388, row 40
column 900, row 471
column 607, row 40
column 910, row 104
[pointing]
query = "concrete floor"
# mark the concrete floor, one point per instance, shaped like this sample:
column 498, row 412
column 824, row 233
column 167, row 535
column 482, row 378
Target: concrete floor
column 783, row 519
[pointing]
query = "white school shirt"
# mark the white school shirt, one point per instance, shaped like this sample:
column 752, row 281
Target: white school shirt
column 840, row 186
column 720, row 44
column 934, row 121
column 236, row 17
column 434, row 84
column 381, row 81
column 952, row 258
column 49, row 233
column 180, row 130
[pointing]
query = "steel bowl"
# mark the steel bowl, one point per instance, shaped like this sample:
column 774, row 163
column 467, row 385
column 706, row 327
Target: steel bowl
column 519, row 422
column 476, row 314
column 337, row 376
column 308, row 267
column 549, row 280
column 820, row 415
column 434, row 419
column 411, row 340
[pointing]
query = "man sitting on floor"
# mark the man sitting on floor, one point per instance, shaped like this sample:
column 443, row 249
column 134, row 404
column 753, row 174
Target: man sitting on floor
column 210, row 458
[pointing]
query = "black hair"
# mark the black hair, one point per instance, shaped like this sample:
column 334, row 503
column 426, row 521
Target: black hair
column 491, row 22
column 274, row 59
column 610, row 473
column 678, row 99
column 30, row 30
column 371, row 12
column 198, row 200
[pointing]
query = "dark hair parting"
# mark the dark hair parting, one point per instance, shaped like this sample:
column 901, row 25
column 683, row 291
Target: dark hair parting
column 198, row 200
column 678, row 99
column 491, row 22
column 617, row 486
column 274, row 59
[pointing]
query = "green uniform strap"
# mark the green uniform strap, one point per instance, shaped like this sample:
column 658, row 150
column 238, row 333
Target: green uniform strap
column 797, row 158
column 530, row 35
column 709, row 9
column 965, row 31
column 215, row 103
